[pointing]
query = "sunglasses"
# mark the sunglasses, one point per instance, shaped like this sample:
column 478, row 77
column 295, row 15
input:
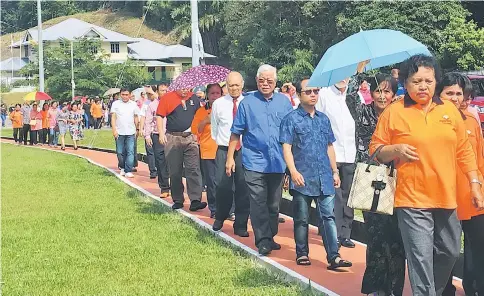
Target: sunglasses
column 309, row 91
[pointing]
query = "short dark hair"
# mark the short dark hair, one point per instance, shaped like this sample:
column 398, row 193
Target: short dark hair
column 299, row 84
column 18, row 105
column 410, row 66
column 96, row 100
column 379, row 78
column 214, row 85
column 469, row 92
column 450, row 79
column 124, row 89
column 161, row 84
column 154, row 88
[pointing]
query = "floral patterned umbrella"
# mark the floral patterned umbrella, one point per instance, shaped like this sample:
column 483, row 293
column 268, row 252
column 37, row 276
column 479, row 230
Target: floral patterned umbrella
column 199, row 75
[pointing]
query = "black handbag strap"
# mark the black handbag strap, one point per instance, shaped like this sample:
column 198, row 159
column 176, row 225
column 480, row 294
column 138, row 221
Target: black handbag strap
column 373, row 158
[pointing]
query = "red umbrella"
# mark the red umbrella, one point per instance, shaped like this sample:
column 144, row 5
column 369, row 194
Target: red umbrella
column 37, row 96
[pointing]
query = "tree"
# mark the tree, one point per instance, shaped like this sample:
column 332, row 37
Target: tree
column 92, row 74
column 300, row 66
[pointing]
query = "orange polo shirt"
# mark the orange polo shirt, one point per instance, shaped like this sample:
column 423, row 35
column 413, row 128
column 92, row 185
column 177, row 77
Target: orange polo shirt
column 96, row 110
column 465, row 208
column 208, row 146
column 442, row 144
column 17, row 119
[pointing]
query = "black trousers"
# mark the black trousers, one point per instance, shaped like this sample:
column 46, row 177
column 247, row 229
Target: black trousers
column 43, row 135
column 473, row 280
column 97, row 122
column 17, row 135
column 25, row 132
column 151, row 158
column 34, row 137
column 225, row 193
column 344, row 215
column 160, row 163
column 209, row 168
column 265, row 193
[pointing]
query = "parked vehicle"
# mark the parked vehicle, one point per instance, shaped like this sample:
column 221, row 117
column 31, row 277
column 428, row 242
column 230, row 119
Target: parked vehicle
column 478, row 102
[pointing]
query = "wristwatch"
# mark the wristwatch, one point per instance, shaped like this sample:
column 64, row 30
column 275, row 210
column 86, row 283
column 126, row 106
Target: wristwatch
column 476, row 181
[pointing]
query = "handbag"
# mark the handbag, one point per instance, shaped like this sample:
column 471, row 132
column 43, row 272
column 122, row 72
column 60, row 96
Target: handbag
column 373, row 187
column 33, row 122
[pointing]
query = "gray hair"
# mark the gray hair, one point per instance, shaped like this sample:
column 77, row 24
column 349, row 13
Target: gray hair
column 266, row 68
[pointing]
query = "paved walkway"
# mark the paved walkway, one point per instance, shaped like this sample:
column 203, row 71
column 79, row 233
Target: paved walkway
column 346, row 282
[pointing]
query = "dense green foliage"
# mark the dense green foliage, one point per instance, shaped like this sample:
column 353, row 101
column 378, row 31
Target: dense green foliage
column 92, row 75
column 292, row 35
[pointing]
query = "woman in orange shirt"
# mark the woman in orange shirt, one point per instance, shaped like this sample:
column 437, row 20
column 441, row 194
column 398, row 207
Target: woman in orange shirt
column 17, row 124
column 452, row 88
column 208, row 148
column 427, row 139
column 45, row 124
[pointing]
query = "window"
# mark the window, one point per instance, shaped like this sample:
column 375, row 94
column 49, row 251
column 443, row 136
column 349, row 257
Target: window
column 26, row 51
column 151, row 69
column 114, row 47
column 93, row 49
column 186, row 66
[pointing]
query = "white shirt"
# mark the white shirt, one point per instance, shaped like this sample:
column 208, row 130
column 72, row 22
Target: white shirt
column 222, row 118
column 125, row 113
column 142, row 110
column 333, row 103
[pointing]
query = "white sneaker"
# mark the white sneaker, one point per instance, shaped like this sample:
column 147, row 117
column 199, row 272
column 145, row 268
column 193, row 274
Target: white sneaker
column 122, row 173
column 129, row 175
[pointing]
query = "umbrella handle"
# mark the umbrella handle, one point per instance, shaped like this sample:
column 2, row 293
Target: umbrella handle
column 361, row 66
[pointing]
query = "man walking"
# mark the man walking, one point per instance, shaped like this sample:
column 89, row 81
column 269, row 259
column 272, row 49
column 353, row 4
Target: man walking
column 152, row 138
column 124, row 118
column 307, row 142
column 96, row 113
column 334, row 104
column 181, row 148
column 258, row 120
column 26, row 109
column 223, row 112
column 142, row 122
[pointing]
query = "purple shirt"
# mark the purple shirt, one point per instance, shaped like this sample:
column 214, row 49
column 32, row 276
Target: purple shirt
column 150, row 119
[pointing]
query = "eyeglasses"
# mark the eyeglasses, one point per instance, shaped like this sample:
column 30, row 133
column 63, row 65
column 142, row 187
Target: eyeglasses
column 309, row 91
column 262, row 80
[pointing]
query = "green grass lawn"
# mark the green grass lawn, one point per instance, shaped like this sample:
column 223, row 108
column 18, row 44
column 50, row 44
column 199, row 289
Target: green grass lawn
column 70, row 228
column 99, row 138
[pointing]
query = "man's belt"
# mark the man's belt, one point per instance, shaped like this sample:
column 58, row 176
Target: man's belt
column 180, row 134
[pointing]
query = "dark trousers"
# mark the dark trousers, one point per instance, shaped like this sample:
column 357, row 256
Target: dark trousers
column 43, row 135
column 97, row 122
column 225, row 190
column 17, row 134
column 344, row 214
column 473, row 280
column 150, row 156
column 25, row 132
column 34, row 137
column 161, row 164
column 183, row 151
column 209, row 168
column 265, row 193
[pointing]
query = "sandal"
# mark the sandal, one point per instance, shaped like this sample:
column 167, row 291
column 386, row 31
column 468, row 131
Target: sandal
column 340, row 263
column 164, row 194
column 303, row 260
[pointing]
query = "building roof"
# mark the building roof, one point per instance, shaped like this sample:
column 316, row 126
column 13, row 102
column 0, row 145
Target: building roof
column 16, row 62
column 72, row 29
column 145, row 49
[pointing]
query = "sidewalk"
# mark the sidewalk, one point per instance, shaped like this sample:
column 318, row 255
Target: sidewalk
column 345, row 282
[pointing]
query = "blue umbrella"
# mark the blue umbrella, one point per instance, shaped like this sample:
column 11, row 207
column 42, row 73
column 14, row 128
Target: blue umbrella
column 382, row 47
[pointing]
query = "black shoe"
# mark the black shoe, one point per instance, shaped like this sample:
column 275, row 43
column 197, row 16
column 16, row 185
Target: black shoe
column 241, row 232
column 347, row 243
column 217, row 225
column 177, row 206
column 264, row 250
column 197, row 205
column 275, row 246
column 153, row 176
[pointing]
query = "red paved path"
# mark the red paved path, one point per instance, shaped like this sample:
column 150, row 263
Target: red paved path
column 343, row 282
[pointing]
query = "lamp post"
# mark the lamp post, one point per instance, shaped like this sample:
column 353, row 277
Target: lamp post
column 41, row 46
column 73, row 85
column 195, row 40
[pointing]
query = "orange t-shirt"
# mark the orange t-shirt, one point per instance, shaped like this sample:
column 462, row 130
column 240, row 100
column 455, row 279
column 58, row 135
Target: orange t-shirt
column 465, row 208
column 45, row 122
column 208, row 146
column 439, row 135
column 96, row 110
column 17, row 119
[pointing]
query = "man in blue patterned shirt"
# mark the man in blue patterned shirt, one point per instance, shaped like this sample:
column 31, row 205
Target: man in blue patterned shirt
column 307, row 142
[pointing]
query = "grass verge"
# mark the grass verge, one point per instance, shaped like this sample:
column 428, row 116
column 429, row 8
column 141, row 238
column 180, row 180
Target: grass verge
column 70, row 228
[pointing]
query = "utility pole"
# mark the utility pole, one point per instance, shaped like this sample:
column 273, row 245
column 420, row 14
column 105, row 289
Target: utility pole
column 195, row 40
column 73, row 85
column 41, row 46
column 11, row 54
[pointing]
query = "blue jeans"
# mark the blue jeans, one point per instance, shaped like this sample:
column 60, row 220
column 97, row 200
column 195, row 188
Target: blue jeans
column 54, row 137
column 86, row 121
column 325, row 205
column 4, row 118
column 125, row 151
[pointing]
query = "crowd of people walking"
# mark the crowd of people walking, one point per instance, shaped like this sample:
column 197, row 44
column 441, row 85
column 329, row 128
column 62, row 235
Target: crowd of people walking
column 246, row 148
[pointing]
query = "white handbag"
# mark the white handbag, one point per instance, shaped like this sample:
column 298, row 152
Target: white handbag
column 373, row 187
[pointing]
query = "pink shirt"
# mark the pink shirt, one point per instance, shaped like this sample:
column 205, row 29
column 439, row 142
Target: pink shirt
column 150, row 119
column 38, row 120
column 52, row 117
